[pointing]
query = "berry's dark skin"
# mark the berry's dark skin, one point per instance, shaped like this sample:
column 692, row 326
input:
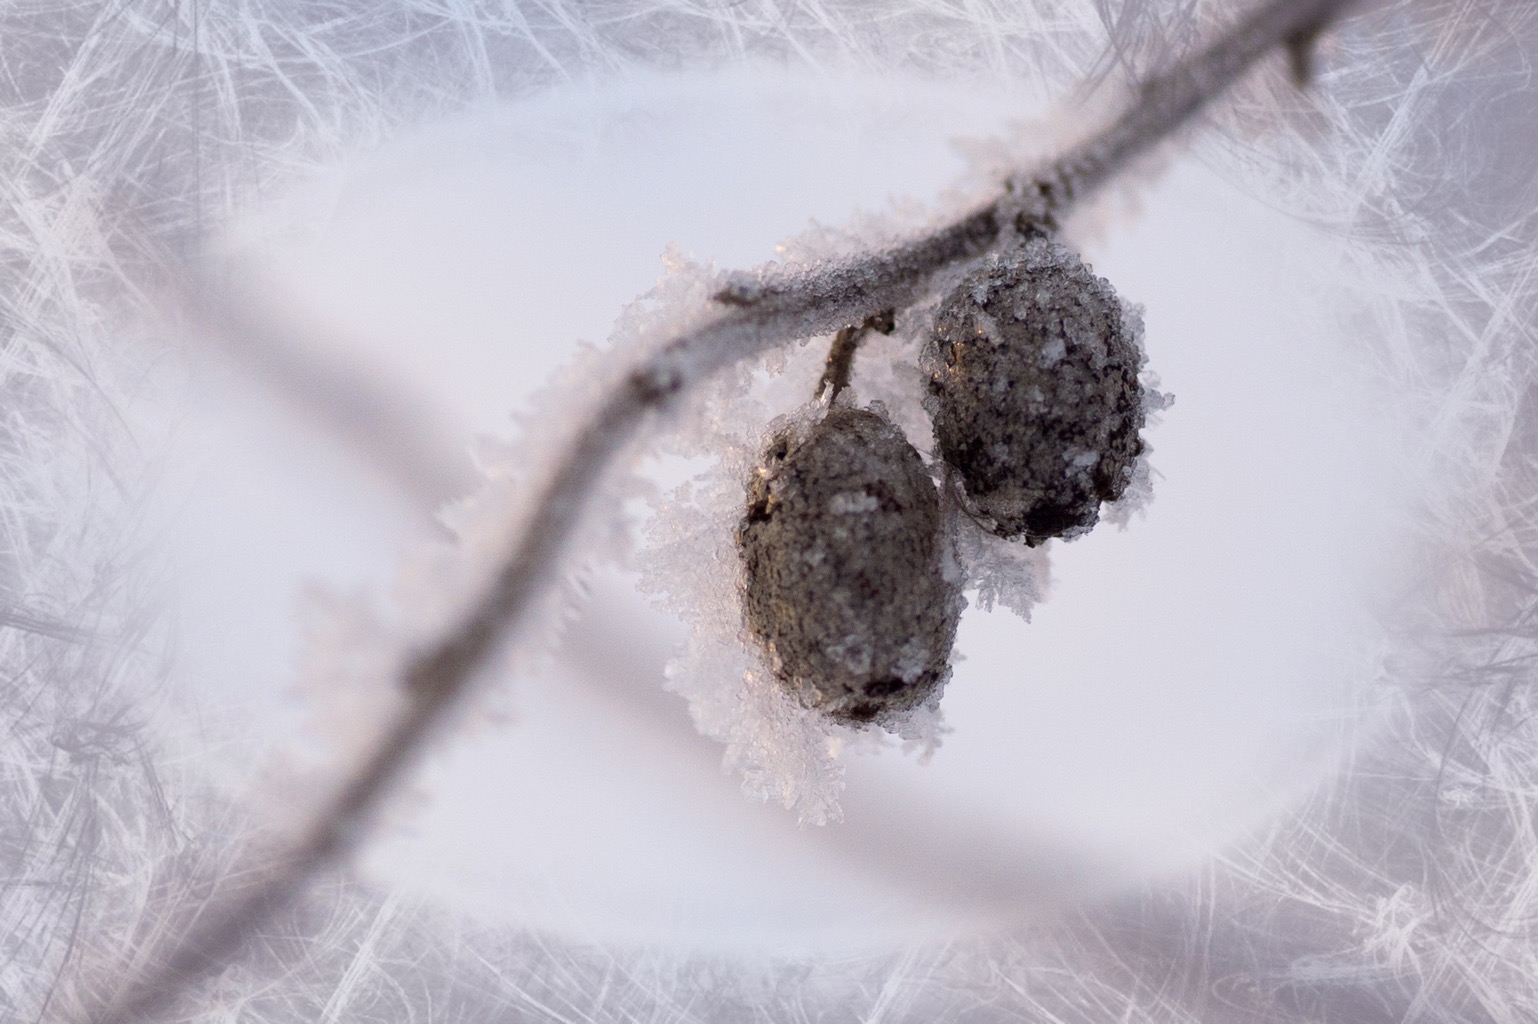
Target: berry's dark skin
column 844, row 583
column 1034, row 392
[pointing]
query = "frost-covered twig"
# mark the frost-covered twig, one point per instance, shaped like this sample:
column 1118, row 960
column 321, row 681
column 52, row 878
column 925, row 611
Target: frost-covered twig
column 756, row 311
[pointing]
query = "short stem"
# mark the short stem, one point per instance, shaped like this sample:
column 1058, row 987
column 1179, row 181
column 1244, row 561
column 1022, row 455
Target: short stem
column 840, row 365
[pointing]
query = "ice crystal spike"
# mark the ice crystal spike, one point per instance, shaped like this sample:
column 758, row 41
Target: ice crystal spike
column 845, row 585
column 1034, row 392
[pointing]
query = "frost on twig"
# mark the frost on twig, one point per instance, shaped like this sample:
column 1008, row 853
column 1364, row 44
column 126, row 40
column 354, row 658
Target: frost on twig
column 750, row 315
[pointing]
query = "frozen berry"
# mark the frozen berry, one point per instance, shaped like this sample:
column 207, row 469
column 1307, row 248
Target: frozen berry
column 845, row 585
column 1034, row 392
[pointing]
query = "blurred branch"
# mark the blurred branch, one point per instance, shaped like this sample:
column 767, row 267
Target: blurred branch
column 13, row 617
column 384, row 423
column 757, row 311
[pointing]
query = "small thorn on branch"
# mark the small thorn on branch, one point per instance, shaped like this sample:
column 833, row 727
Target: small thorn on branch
column 1302, row 48
column 655, row 384
column 739, row 291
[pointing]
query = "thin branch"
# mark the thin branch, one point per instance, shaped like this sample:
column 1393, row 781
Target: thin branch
column 759, row 310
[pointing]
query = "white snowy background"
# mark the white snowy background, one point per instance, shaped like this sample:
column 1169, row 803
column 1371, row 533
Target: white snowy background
column 1266, row 754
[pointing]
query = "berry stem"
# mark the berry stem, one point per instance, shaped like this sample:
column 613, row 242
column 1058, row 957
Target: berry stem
column 840, row 365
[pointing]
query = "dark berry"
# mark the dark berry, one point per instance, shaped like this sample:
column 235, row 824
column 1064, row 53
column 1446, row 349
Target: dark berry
column 845, row 584
column 1034, row 392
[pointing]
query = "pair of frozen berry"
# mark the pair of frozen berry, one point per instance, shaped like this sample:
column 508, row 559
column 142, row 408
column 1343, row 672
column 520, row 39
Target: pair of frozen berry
column 1037, row 409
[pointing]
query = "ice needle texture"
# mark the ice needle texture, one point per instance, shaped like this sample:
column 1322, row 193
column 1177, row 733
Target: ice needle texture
column 1395, row 881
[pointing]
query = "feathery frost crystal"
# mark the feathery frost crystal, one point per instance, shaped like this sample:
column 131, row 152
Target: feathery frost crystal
column 845, row 583
column 1034, row 392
